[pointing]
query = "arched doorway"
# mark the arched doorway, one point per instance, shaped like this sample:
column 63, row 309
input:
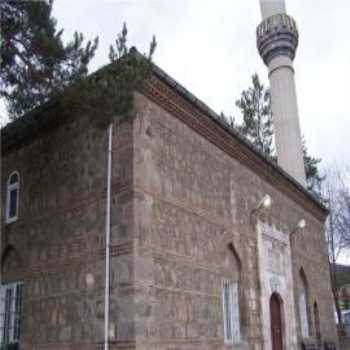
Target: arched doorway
column 276, row 322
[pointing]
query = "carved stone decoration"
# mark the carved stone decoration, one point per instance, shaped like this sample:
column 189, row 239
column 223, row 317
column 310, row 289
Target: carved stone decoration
column 275, row 284
column 275, row 273
column 275, row 263
column 277, row 35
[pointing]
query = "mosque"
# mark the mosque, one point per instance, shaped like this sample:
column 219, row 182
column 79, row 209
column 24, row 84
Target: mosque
column 168, row 233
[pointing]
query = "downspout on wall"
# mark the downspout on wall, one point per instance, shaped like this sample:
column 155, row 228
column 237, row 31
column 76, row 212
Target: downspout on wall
column 108, row 237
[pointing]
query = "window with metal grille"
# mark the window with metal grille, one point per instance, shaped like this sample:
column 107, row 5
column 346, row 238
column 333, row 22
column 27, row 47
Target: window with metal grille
column 11, row 296
column 303, row 305
column 303, row 314
column 12, row 197
column 230, row 301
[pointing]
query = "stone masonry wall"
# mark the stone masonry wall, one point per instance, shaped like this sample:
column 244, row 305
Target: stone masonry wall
column 56, row 246
column 180, row 224
column 192, row 207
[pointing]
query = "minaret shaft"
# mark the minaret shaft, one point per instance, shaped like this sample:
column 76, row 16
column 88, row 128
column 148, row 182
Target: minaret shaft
column 277, row 39
column 286, row 118
column 272, row 7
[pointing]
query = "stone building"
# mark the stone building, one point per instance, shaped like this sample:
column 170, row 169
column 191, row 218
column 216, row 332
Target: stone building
column 213, row 246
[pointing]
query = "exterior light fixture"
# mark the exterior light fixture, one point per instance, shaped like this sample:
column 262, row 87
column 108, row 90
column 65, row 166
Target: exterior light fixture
column 90, row 280
column 111, row 333
column 265, row 203
column 300, row 226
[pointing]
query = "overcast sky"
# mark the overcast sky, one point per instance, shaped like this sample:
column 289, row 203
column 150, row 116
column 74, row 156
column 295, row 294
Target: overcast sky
column 209, row 47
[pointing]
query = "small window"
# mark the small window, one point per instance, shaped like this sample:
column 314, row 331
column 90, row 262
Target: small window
column 230, row 300
column 12, row 197
column 303, row 305
column 303, row 315
column 11, row 313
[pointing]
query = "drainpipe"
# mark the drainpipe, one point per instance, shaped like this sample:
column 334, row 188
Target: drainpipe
column 108, row 236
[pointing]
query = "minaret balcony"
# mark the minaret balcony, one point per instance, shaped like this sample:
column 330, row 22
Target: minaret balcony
column 277, row 36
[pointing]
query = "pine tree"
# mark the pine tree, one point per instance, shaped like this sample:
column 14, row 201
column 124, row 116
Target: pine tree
column 108, row 94
column 257, row 127
column 313, row 178
column 255, row 106
column 36, row 64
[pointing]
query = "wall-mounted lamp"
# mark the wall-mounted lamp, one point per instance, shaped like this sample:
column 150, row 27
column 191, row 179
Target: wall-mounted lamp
column 300, row 226
column 265, row 203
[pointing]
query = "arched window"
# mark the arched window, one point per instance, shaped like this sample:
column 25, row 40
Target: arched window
column 230, row 297
column 12, row 197
column 304, row 305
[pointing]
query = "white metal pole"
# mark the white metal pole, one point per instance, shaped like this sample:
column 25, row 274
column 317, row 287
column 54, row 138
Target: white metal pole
column 108, row 236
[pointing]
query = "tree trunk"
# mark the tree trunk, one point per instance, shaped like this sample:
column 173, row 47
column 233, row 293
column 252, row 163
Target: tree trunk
column 333, row 272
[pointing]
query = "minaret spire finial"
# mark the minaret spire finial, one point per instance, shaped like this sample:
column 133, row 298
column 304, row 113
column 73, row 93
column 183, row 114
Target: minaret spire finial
column 277, row 40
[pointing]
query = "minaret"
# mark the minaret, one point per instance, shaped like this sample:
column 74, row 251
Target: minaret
column 277, row 41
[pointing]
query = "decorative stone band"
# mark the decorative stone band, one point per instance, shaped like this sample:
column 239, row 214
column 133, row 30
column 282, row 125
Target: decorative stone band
column 277, row 36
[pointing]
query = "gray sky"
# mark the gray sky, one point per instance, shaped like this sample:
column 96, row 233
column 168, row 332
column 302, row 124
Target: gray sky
column 209, row 47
